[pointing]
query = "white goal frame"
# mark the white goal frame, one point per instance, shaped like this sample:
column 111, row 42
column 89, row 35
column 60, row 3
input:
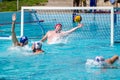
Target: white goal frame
column 71, row 8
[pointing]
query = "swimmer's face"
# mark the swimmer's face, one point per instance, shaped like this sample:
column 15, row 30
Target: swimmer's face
column 58, row 28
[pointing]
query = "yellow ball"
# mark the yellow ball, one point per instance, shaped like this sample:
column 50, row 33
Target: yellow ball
column 77, row 18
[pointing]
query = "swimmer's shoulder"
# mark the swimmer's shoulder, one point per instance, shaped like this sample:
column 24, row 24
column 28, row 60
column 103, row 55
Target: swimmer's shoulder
column 49, row 32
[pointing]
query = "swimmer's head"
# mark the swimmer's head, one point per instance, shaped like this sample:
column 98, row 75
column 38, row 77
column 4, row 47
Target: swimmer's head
column 58, row 27
column 24, row 40
column 99, row 59
column 37, row 46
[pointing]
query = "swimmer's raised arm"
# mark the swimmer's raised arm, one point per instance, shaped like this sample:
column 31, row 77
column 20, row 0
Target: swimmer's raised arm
column 73, row 29
column 14, row 38
column 13, row 22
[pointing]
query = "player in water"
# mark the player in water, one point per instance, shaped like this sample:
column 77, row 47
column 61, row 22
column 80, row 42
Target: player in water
column 37, row 47
column 23, row 40
column 101, row 61
column 57, row 34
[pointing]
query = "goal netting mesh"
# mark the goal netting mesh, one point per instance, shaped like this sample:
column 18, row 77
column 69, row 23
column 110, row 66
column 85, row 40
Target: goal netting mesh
column 98, row 22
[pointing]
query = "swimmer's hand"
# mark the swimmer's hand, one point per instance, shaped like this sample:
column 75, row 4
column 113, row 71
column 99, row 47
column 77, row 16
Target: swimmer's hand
column 14, row 17
column 79, row 25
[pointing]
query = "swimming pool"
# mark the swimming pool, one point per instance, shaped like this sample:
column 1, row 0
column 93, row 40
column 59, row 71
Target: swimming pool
column 60, row 61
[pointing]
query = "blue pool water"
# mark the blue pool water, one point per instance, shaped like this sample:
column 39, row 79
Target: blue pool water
column 59, row 61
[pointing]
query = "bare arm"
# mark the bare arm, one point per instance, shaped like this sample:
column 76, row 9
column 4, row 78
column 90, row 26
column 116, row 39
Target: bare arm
column 73, row 29
column 112, row 60
column 14, row 38
column 44, row 38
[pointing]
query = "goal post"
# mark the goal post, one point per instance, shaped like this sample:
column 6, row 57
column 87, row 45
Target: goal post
column 62, row 10
column 112, row 27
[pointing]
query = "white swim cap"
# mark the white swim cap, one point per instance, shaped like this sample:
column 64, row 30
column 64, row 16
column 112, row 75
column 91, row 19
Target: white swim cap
column 99, row 59
column 37, row 45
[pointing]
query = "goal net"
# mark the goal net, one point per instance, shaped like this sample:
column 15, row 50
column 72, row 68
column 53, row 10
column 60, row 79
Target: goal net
column 98, row 22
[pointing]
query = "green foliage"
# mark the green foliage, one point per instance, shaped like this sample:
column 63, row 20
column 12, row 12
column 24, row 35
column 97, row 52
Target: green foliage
column 11, row 5
column 8, row 0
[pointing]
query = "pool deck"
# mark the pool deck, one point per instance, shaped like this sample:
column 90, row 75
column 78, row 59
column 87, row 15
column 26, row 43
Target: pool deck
column 69, row 3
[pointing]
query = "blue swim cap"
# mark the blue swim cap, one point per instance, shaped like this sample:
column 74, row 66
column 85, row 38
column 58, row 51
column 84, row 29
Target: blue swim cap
column 23, row 40
column 37, row 45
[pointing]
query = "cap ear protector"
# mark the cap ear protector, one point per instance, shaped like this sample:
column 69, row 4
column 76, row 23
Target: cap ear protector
column 37, row 45
column 99, row 59
column 24, row 40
